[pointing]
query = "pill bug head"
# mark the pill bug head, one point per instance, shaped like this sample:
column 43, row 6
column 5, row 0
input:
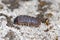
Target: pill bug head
column 16, row 20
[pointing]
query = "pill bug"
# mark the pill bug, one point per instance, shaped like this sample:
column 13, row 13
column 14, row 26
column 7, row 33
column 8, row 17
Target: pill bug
column 22, row 20
column 27, row 20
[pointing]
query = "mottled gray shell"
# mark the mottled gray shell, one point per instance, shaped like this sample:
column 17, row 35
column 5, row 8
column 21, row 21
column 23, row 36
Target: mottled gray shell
column 27, row 20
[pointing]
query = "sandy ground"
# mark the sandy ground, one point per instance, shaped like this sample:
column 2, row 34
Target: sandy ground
column 27, row 32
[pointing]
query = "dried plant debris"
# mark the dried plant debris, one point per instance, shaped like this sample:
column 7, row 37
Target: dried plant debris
column 49, row 15
column 56, row 38
column 48, row 29
column 13, row 3
column 47, row 22
column 10, row 35
column 42, row 4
